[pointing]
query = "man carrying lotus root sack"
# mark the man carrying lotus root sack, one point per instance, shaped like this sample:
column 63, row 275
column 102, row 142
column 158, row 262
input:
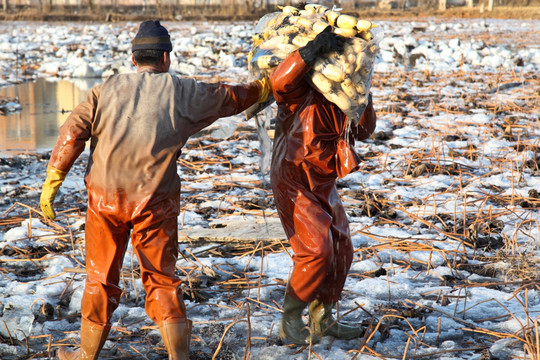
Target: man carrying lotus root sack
column 313, row 146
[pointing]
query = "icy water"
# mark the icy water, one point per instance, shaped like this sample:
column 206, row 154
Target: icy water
column 45, row 106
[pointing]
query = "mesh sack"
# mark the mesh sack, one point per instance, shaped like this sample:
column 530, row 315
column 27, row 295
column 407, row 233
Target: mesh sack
column 345, row 78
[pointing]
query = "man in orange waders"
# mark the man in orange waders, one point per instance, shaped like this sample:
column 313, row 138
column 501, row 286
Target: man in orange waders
column 310, row 152
column 137, row 125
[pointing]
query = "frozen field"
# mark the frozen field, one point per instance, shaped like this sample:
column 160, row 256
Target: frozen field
column 444, row 211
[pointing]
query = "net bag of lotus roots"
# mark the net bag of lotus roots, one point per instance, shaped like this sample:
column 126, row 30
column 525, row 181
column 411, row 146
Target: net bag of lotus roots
column 343, row 78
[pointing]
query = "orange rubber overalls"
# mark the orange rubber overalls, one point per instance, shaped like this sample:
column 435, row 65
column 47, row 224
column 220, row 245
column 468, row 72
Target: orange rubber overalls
column 309, row 154
column 138, row 124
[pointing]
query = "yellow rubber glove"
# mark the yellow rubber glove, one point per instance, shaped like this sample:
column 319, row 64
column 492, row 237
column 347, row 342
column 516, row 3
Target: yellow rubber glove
column 265, row 89
column 52, row 183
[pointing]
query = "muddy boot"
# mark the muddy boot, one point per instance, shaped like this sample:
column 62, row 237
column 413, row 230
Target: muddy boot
column 176, row 338
column 292, row 327
column 322, row 322
column 92, row 340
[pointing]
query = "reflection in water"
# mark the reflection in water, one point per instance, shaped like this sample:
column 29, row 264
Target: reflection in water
column 46, row 105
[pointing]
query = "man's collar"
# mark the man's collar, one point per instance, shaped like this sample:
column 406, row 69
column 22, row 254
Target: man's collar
column 149, row 69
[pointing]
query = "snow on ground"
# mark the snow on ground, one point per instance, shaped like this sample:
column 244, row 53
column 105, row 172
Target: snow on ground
column 444, row 210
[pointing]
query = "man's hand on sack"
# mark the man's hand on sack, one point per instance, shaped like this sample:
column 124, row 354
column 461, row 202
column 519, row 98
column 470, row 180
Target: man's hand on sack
column 326, row 41
column 329, row 41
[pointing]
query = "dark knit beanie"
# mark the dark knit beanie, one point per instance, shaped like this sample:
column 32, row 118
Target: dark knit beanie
column 152, row 36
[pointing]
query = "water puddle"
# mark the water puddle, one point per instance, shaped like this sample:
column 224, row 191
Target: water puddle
column 46, row 104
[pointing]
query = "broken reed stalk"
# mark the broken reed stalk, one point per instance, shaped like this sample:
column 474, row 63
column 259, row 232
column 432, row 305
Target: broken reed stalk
column 436, row 354
column 247, row 350
column 260, row 303
column 9, row 333
column 25, row 340
column 529, row 332
column 29, row 225
column 259, row 287
column 437, row 339
column 133, row 278
column 430, row 308
column 363, row 348
column 220, row 344
column 530, row 335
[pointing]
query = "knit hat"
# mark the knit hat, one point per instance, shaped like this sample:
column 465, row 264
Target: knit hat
column 152, row 36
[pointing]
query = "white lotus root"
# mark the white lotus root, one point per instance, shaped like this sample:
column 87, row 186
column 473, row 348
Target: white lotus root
column 345, row 78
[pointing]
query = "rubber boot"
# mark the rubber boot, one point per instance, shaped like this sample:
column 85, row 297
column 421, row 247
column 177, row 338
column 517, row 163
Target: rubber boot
column 176, row 338
column 292, row 327
column 92, row 340
column 322, row 322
